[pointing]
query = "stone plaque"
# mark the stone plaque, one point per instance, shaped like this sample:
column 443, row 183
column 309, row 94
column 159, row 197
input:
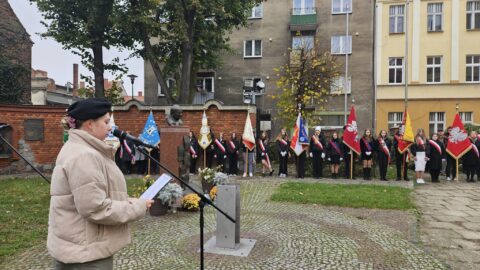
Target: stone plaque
column 34, row 129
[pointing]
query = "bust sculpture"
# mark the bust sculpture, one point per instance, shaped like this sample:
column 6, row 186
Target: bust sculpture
column 175, row 116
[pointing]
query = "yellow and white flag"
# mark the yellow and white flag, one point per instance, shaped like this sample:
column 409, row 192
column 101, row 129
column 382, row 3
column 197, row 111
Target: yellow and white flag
column 205, row 138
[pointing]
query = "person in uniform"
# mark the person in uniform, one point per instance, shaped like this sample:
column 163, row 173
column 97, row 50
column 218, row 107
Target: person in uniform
column 334, row 154
column 420, row 153
column 233, row 147
column 90, row 210
column 451, row 169
column 127, row 154
column 283, row 146
column 400, row 158
column 317, row 152
column 436, row 154
column 382, row 147
column 220, row 154
column 366, row 147
column 193, row 150
column 471, row 159
column 262, row 151
column 248, row 159
column 347, row 156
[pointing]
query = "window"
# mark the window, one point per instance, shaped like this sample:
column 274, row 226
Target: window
column 256, row 12
column 170, row 84
column 303, row 42
column 341, row 6
column 338, row 85
column 473, row 15
column 467, row 117
column 205, row 84
column 434, row 69
column 395, row 119
column 473, row 68
column 395, row 70
column 341, row 44
column 303, row 7
column 252, row 48
column 396, row 18
column 5, row 150
column 434, row 20
column 250, row 83
column 437, row 122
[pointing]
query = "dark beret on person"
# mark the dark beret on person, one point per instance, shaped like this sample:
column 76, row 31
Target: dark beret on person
column 91, row 108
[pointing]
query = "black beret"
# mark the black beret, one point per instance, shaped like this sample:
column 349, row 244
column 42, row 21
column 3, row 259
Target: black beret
column 91, row 108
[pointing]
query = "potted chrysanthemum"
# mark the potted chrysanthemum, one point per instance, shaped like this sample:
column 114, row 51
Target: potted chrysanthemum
column 165, row 198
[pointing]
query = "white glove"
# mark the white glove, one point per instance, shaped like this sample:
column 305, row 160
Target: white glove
column 263, row 154
column 215, row 156
column 283, row 153
column 328, row 159
column 323, row 155
column 224, row 156
column 341, row 159
column 311, row 154
column 368, row 153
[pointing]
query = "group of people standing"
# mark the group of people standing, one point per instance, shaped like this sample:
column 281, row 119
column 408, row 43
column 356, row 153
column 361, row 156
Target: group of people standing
column 427, row 155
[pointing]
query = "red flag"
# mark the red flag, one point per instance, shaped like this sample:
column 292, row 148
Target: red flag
column 458, row 142
column 350, row 135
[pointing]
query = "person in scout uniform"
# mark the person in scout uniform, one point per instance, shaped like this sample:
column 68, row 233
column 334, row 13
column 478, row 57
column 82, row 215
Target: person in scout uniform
column 220, row 154
column 382, row 147
column 334, row 154
column 283, row 146
column 366, row 147
column 317, row 152
column 233, row 146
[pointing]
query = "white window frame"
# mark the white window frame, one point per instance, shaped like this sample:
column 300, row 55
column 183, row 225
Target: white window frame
column 396, row 15
column 435, row 68
column 303, row 10
column 436, row 121
column 337, row 85
column 254, row 41
column 341, row 46
column 253, row 14
column 203, row 83
column 308, row 41
column 473, row 65
column 395, row 67
column 169, row 82
column 473, row 8
column 343, row 6
column 465, row 119
column 434, row 13
column 396, row 119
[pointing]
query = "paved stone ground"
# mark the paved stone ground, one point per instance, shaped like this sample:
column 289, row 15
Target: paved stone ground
column 450, row 224
column 289, row 236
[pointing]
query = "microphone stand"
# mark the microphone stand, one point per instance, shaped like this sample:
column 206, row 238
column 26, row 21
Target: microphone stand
column 203, row 201
column 26, row 160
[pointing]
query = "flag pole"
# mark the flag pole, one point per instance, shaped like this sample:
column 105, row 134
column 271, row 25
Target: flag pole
column 149, row 150
column 351, row 164
column 246, row 161
column 204, row 158
column 457, row 107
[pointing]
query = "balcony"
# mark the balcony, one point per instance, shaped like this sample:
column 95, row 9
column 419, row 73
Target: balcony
column 303, row 19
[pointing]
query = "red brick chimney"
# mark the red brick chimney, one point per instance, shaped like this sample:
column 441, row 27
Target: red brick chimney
column 75, row 79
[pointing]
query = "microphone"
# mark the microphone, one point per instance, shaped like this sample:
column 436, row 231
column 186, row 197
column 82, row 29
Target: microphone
column 125, row 136
column 4, row 126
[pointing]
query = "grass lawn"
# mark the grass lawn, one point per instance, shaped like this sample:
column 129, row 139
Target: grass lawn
column 24, row 207
column 355, row 196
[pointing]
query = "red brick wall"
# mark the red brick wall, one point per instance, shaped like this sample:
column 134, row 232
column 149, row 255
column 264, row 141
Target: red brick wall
column 45, row 152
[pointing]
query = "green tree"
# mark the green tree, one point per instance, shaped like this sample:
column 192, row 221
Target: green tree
column 13, row 78
column 304, row 82
column 86, row 27
column 187, row 35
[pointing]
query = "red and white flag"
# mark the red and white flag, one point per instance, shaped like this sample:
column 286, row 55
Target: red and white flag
column 248, row 138
column 350, row 135
column 458, row 142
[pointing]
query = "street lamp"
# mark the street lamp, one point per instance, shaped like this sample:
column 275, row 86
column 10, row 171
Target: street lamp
column 132, row 79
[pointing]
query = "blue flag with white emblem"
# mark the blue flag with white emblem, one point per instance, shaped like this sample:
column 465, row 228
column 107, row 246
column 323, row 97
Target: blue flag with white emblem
column 150, row 132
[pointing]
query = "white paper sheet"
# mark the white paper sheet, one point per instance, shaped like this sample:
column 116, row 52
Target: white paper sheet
column 153, row 190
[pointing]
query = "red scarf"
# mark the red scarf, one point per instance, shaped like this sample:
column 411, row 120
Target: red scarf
column 436, row 146
column 232, row 145
column 369, row 148
column 384, row 148
column 192, row 152
column 262, row 147
column 475, row 149
column 220, row 145
column 317, row 142
column 334, row 145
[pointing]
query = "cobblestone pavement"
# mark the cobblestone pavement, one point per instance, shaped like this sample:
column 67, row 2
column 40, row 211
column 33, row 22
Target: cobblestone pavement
column 289, row 236
column 450, row 224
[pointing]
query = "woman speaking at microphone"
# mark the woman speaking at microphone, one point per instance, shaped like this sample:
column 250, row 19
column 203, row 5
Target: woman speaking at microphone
column 89, row 206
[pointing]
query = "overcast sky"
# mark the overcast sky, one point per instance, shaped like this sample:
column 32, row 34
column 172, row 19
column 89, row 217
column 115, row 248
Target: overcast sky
column 48, row 55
